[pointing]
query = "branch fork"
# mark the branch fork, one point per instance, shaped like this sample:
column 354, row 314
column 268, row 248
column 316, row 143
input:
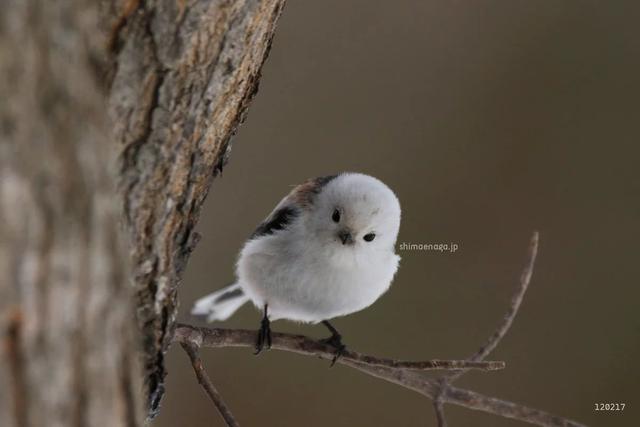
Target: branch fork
column 408, row 374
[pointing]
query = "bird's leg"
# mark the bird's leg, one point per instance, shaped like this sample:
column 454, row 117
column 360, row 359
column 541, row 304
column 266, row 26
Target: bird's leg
column 264, row 333
column 335, row 340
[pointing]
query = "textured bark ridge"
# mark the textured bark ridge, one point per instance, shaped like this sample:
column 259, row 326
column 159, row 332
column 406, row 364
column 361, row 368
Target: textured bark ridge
column 182, row 76
column 67, row 336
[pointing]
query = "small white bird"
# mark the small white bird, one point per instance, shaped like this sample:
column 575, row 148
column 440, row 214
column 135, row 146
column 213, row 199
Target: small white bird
column 326, row 250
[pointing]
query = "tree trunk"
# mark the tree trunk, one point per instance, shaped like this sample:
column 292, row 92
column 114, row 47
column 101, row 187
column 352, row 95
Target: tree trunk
column 170, row 81
column 68, row 354
column 183, row 76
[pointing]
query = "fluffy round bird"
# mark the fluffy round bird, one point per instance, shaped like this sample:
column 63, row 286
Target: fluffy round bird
column 326, row 250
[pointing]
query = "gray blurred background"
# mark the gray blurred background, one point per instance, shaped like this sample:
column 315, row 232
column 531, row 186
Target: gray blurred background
column 490, row 119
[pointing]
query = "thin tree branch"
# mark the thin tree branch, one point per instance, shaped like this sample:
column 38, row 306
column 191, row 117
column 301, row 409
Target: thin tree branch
column 472, row 400
column 516, row 301
column 430, row 387
column 500, row 332
column 397, row 373
column 218, row 337
column 438, row 407
column 514, row 306
column 407, row 374
column 204, row 380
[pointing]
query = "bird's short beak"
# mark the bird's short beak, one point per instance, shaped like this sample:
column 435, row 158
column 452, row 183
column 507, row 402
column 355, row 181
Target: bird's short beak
column 346, row 237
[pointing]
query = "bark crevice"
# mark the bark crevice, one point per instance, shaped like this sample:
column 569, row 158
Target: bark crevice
column 184, row 74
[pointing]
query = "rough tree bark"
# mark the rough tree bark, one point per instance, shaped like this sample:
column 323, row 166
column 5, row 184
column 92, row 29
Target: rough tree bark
column 169, row 80
column 67, row 341
column 183, row 75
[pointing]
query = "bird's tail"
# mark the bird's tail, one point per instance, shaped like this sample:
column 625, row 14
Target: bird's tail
column 221, row 304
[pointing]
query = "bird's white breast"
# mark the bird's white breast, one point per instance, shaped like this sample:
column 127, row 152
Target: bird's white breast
column 305, row 282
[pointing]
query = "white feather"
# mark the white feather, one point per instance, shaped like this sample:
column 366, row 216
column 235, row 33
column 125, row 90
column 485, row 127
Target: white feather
column 209, row 306
column 304, row 273
column 302, row 269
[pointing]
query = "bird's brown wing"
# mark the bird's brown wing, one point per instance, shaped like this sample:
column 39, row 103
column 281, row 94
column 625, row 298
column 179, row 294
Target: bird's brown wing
column 291, row 206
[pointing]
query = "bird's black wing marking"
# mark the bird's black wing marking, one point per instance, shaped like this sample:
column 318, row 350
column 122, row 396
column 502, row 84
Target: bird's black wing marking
column 300, row 197
column 229, row 295
column 279, row 220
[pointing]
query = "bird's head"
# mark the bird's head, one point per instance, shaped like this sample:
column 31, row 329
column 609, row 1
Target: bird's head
column 355, row 212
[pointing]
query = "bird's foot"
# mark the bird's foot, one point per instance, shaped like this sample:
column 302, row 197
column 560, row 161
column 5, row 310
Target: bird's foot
column 264, row 335
column 335, row 341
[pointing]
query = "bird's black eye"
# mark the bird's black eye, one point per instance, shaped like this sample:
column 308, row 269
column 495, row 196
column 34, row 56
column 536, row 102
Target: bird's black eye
column 336, row 215
column 369, row 237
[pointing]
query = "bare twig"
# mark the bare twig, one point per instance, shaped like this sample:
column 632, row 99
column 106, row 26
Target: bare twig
column 516, row 300
column 514, row 306
column 204, row 380
column 472, row 400
column 218, row 337
column 438, row 407
column 394, row 372
column 500, row 332
column 404, row 373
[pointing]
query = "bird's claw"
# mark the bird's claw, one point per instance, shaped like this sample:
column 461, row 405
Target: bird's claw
column 264, row 336
column 335, row 341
